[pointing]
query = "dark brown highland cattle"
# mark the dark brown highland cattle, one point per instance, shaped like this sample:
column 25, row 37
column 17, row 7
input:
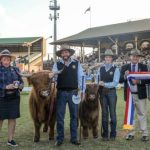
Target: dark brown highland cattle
column 42, row 102
column 89, row 111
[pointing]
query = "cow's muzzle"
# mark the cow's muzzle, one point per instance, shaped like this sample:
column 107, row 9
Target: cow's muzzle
column 44, row 93
column 92, row 97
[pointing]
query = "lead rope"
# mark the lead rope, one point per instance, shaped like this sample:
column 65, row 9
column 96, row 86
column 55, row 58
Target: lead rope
column 51, row 103
column 81, row 112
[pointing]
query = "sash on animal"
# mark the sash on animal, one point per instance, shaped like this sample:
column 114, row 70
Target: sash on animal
column 129, row 108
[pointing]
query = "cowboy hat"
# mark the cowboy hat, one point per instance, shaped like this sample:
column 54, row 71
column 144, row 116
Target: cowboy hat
column 65, row 47
column 7, row 53
column 135, row 52
column 108, row 52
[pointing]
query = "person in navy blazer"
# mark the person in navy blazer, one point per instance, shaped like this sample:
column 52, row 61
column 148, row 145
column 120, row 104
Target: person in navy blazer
column 138, row 91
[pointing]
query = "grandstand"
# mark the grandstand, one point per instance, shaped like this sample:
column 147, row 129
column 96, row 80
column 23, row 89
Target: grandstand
column 121, row 38
column 29, row 51
column 48, row 64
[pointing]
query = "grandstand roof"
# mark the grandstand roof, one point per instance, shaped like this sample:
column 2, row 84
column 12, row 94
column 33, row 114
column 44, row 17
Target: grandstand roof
column 18, row 40
column 92, row 35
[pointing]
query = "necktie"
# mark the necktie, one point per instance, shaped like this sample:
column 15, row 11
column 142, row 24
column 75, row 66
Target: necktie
column 133, row 68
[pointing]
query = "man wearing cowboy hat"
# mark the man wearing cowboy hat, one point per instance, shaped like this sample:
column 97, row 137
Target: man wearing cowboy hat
column 138, row 91
column 108, row 77
column 68, row 82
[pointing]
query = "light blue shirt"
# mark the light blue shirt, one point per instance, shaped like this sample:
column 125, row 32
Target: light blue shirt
column 81, row 74
column 116, row 78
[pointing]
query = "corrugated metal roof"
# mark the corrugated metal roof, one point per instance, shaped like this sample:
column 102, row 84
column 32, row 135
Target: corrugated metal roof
column 108, row 30
column 18, row 40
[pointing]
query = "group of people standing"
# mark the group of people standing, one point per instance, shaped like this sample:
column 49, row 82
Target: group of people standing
column 108, row 77
column 69, row 81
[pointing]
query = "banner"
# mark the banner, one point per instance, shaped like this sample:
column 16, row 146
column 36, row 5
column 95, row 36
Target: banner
column 129, row 108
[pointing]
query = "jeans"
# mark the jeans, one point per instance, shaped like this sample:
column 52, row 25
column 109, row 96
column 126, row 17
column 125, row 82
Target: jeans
column 62, row 98
column 108, row 104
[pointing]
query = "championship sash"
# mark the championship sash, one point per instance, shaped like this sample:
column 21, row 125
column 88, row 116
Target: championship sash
column 129, row 107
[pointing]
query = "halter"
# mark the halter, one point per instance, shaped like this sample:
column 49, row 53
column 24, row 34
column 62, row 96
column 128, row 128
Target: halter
column 46, row 91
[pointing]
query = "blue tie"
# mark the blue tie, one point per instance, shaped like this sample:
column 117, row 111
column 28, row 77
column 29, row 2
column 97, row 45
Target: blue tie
column 133, row 68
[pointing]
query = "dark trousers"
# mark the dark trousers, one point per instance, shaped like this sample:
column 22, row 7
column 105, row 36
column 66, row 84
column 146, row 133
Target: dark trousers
column 64, row 97
column 108, row 101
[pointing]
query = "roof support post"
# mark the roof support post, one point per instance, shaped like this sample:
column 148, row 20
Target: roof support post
column 42, row 60
column 83, row 53
column 116, row 43
column 28, row 45
column 136, row 42
column 99, row 51
column 29, row 51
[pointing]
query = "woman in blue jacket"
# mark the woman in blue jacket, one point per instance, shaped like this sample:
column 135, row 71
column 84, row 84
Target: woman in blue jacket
column 10, row 85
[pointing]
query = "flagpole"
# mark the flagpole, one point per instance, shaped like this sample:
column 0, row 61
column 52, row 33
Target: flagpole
column 89, row 9
column 90, row 17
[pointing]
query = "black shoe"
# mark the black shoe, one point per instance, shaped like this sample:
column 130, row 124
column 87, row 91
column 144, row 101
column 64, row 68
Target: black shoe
column 58, row 143
column 105, row 138
column 95, row 137
column 130, row 137
column 12, row 143
column 112, row 138
column 76, row 142
column 144, row 138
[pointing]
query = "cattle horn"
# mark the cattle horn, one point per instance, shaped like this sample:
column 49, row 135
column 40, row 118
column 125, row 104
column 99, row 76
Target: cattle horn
column 26, row 74
column 58, row 72
column 51, row 75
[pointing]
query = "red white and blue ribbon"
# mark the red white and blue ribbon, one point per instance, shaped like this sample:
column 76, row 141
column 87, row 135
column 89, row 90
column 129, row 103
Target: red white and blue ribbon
column 129, row 108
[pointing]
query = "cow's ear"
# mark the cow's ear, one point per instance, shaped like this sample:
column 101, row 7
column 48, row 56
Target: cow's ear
column 93, row 80
column 51, row 75
column 87, row 87
column 97, row 88
column 29, row 80
column 86, row 90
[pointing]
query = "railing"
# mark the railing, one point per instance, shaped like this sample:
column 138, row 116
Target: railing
column 34, row 56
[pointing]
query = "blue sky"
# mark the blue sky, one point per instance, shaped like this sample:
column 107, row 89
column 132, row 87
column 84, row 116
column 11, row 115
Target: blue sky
column 20, row 18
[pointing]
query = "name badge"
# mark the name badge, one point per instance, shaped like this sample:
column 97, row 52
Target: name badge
column 73, row 66
column 111, row 73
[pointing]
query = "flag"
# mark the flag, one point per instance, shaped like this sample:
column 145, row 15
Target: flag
column 129, row 108
column 88, row 9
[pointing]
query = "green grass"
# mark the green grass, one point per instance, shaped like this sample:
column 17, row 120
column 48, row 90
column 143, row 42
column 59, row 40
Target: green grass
column 24, row 133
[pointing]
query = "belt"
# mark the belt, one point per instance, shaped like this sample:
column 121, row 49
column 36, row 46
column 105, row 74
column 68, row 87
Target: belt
column 134, row 92
column 67, row 89
column 8, row 92
column 109, row 88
